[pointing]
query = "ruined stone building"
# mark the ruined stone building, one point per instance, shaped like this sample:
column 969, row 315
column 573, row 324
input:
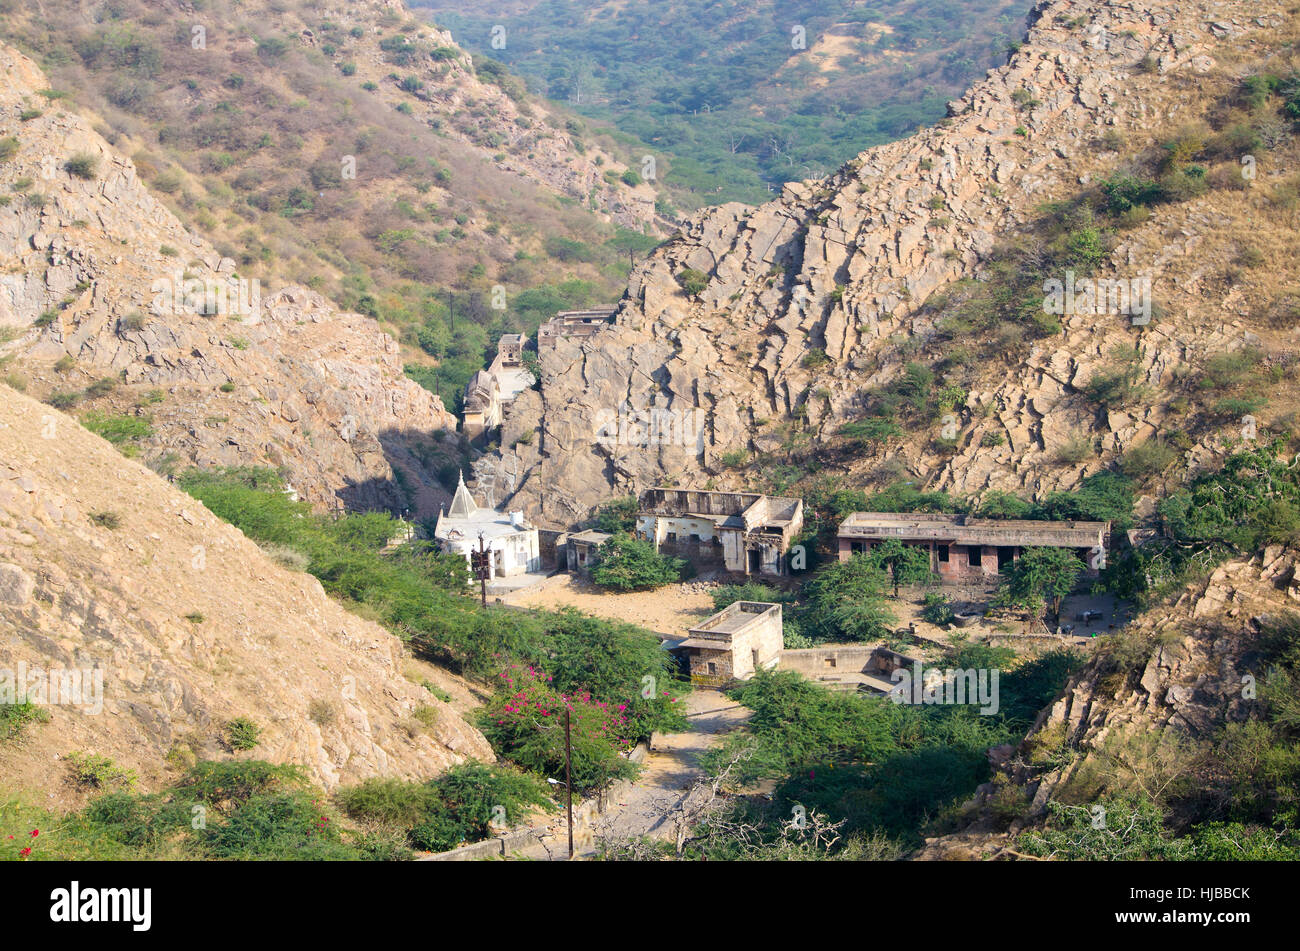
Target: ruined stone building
column 849, row 667
column 489, row 391
column 579, row 550
column 964, row 549
column 573, row 323
column 742, row 532
column 734, row 643
column 510, row 349
column 512, row 541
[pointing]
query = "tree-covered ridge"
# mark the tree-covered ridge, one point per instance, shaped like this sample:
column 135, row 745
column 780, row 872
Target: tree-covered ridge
column 731, row 97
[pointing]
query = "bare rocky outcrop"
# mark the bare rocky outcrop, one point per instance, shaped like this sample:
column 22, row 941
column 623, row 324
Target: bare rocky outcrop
column 843, row 266
column 105, row 566
column 96, row 270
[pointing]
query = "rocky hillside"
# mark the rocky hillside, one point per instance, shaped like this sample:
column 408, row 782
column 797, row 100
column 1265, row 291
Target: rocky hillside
column 785, row 322
column 354, row 148
column 104, row 566
column 109, row 304
column 1147, row 713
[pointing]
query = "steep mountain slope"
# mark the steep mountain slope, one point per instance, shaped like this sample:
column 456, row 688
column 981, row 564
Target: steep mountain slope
column 104, row 566
column 740, row 96
column 901, row 272
column 353, row 149
column 106, row 299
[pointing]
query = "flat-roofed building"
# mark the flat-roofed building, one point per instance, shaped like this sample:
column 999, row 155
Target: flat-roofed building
column 580, row 550
column 489, row 391
column 573, row 323
column 965, row 549
column 743, row 532
column 510, row 348
column 734, row 643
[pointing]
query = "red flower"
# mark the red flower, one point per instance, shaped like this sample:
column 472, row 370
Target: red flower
column 35, row 833
column 25, row 852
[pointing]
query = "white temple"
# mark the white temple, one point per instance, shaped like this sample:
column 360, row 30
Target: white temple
column 511, row 540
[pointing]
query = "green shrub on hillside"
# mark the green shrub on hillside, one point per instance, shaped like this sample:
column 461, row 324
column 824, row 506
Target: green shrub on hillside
column 117, row 429
column 467, row 803
column 624, row 563
column 17, row 716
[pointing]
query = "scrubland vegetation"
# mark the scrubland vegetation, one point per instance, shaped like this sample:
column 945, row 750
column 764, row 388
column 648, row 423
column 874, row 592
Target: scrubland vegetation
column 274, row 150
column 722, row 95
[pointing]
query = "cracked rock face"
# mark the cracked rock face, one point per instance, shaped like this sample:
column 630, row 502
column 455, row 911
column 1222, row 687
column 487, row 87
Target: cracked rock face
column 268, row 377
column 843, row 265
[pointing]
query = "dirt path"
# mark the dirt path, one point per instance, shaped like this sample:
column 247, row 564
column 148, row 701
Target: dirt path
column 668, row 772
column 673, row 765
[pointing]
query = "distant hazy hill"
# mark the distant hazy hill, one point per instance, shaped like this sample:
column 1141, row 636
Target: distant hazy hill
column 732, row 91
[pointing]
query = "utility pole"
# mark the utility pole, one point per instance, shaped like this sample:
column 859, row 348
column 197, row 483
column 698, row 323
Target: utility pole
column 478, row 560
column 568, row 772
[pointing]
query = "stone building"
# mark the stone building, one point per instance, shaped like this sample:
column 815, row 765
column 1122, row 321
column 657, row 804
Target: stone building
column 512, row 541
column 482, row 405
column 510, row 348
column 489, row 391
column 573, row 323
column 580, row 549
column 734, row 643
column 742, row 532
column 964, row 549
column 849, row 667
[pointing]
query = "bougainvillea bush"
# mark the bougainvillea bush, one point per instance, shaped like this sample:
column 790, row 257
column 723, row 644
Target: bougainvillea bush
column 525, row 722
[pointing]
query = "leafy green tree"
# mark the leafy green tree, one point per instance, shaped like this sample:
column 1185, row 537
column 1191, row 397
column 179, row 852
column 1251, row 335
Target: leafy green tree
column 906, row 564
column 1105, row 496
column 617, row 516
column 630, row 564
column 847, row 601
column 1040, row 574
column 997, row 504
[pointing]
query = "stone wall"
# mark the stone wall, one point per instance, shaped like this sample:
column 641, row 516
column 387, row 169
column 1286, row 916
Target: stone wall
column 586, row 816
